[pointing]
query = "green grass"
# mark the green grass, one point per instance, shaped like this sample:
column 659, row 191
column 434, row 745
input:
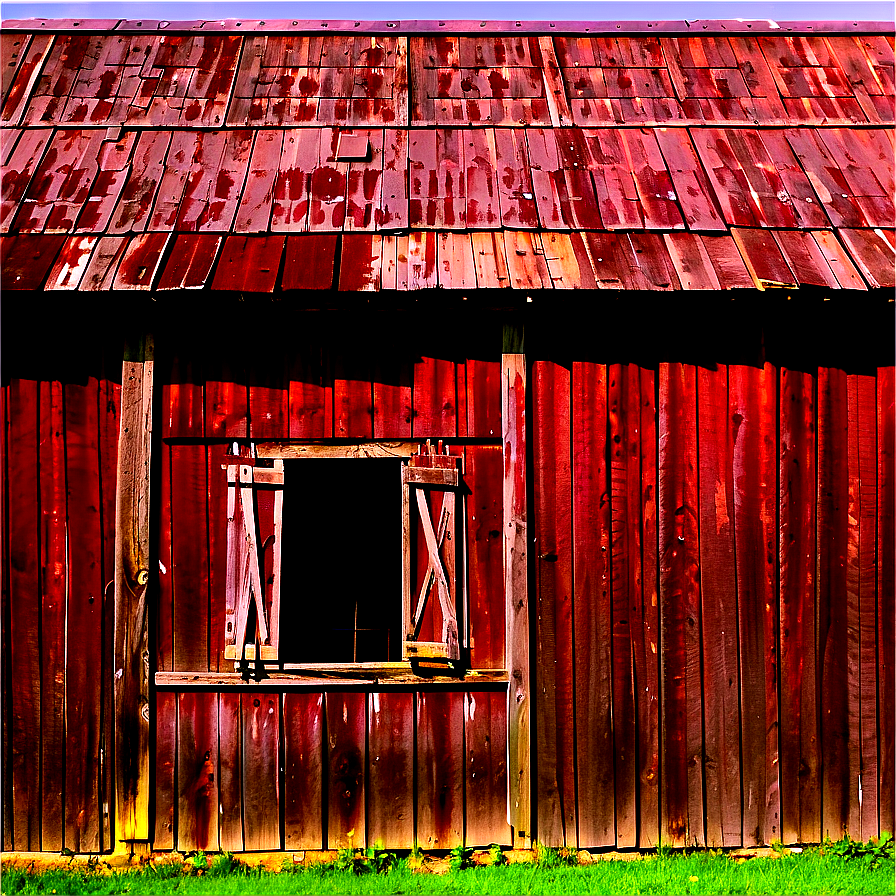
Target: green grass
column 811, row 872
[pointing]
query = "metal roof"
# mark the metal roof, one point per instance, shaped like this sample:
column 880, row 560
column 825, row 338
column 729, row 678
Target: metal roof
column 275, row 156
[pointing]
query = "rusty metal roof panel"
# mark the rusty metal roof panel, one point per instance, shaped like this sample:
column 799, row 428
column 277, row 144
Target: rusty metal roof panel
column 874, row 253
column 190, row 263
column 249, row 264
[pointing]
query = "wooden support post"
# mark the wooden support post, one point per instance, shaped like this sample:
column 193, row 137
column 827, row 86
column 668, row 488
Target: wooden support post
column 132, row 709
column 513, row 415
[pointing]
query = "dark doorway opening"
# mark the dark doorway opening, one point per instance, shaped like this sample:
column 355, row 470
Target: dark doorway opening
column 341, row 563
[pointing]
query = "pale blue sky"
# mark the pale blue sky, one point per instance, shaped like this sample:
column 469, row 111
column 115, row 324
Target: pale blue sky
column 546, row 10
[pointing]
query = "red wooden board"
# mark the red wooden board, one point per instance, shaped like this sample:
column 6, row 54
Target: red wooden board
column 165, row 760
column 440, row 769
column 261, row 764
column 718, row 593
column 346, row 769
column 555, row 780
column 801, row 806
column 216, row 484
column 303, row 745
column 249, row 264
column 592, row 608
column 84, row 616
column 485, row 741
column 27, row 259
column 682, row 723
column 311, row 393
column 197, row 767
column 435, row 398
column 230, row 771
column 390, row 801
column 309, row 261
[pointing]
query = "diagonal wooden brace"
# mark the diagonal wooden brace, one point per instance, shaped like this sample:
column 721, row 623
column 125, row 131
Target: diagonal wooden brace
column 449, row 615
column 444, row 517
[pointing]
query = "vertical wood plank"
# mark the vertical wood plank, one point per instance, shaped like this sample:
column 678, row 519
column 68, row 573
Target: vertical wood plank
column 84, row 619
column 516, row 594
column 682, row 723
column 183, row 401
column 261, row 770
column 5, row 645
column 54, row 582
column 392, row 395
column 132, row 717
column 390, row 792
column 165, row 761
column 483, row 381
column 646, row 633
column 592, row 608
column 886, row 588
column 721, row 685
column 197, row 766
column 485, row 736
column 189, row 558
column 752, row 396
column 352, row 394
column 346, row 764
column 440, row 769
column 866, row 423
column 303, row 723
column 435, row 398
column 165, row 607
column 483, row 474
column 553, row 633
column 216, row 504
column 230, row 772
column 624, row 410
column 310, row 391
column 831, row 589
column 800, row 802
column 226, row 392
column 268, row 388
column 24, row 609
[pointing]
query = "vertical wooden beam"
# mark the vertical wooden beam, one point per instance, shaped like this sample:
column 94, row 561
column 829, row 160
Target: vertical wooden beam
column 131, row 675
column 513, row 415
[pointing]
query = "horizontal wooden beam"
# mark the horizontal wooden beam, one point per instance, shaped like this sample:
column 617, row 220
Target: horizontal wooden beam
column 293, row 451
column 426, row 476
column 316, row 675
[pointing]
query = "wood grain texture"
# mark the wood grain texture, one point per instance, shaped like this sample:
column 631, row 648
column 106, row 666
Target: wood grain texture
column 230, row 771
column 833, row 497
column 23, row 399
column 682, row 723
column 303, row 744
column 592, row 608
column 54, row 580
column 197, row 772
column 516, row 592
column 5, row 645
column 390, row 769
column 165, row 795
column 886, row 587
column 261, row 771
column 752, row 398
column 84, row 616
column 801, row 805
column 485, row 744
column 346, row 769
column 555, row 731
column 440, row 763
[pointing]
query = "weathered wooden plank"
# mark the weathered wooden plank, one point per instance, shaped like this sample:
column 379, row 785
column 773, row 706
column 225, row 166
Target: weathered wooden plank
column 592, row 608
column 886, row 587
column 268, row 388
column 516, row 595
column 190, row 262
column 346, row 769
column 800, row 798
column 303, row 744
column 165, row 760
column 553, row 634
column 390, row 801
column 485, row 736
column 435, row 398
column 189, row 557
column 440, row 769
column 752, row 396
column 310, row 392
column 646, row 634
column 261, row 779
column 24, row 608
column 831, row 518
column 721, row 695
column 197, row 767
column 84, row 618
column 309, row 261
column 6, row 728
column 54, row 578
column 682, row 723
column 624, row 416
column 132, row 716
column 164, row 616
column 216, row 504
column 230, row 772
column 866, row 425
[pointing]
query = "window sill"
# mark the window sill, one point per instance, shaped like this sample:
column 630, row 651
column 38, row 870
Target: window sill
column 325, row 674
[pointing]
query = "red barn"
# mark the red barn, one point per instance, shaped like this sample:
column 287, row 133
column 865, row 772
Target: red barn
column 588, row 332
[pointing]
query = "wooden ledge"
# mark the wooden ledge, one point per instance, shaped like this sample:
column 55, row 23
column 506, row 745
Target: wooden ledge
column 326, row 674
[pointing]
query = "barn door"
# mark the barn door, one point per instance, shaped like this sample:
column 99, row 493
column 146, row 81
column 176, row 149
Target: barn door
column 423, row 474
column 254, row 523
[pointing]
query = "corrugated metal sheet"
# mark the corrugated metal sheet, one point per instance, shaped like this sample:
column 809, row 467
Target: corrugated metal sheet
column 459, row 155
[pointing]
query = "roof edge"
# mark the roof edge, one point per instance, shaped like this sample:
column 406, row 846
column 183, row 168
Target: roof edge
column 464, row 26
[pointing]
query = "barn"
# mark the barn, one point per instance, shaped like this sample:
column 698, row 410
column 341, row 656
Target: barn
column 588, row 331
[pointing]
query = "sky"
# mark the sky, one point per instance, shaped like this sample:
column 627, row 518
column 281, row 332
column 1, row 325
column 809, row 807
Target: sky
column 493, row 10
